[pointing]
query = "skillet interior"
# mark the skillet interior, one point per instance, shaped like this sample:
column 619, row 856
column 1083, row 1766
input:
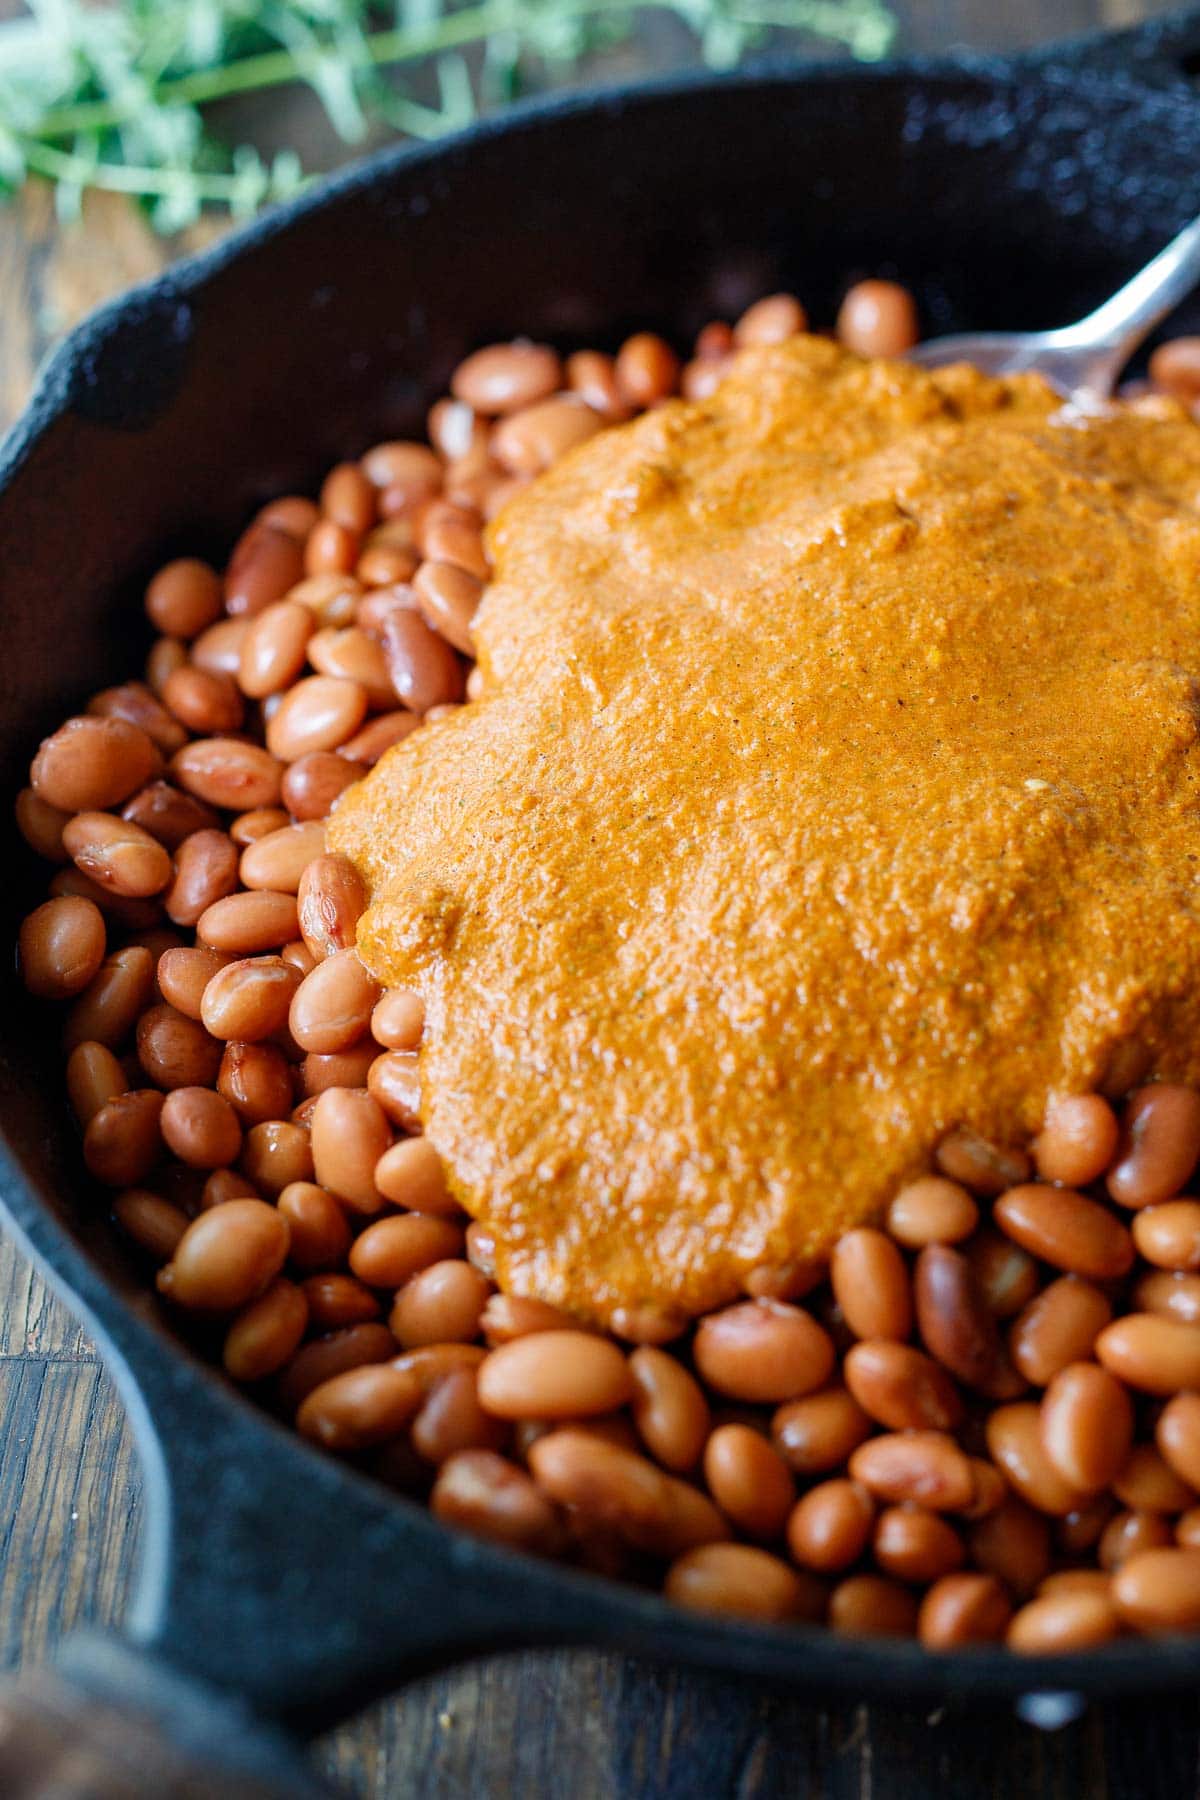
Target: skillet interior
column 1003, row 195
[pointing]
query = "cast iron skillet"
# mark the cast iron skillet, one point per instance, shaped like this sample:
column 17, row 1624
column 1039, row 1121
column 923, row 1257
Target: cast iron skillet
column 278, row 1590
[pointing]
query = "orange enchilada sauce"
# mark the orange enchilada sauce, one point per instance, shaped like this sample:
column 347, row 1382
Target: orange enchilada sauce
column 834, row 784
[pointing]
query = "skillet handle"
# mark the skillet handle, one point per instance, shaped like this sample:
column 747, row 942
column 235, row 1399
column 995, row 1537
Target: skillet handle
column 111, row 1725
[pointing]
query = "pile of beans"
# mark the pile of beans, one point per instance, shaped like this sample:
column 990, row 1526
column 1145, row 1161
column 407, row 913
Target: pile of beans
column 979, row 1421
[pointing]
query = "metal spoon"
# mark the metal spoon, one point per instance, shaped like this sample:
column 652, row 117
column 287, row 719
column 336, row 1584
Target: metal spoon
column 1084, row 360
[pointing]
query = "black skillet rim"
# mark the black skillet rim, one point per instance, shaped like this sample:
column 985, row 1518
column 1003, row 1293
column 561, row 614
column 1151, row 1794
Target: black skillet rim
column 596, row 1610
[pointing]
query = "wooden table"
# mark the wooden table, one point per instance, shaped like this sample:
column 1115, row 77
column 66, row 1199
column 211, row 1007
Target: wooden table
column 531, row 1725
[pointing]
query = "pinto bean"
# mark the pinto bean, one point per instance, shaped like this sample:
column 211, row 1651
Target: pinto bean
column 985, row 1168
column 350, row 1132
column 246, row 924
column 331, row 1009
column 154, row 1224
column 119, row 856
column 743, row 1581
column 1155, row 1355
column 1077, row 1141
column 1159, row 1590
column 229, row 773
column 411, row 1174
column 277, row 859
column 932, row 1211
column 341, row 1068
column 963, row 1609
column 555, row 1375
column 1177, row 1435
column 878, row 318
column 448, row 598
column 41, row 825
column 167, row 814
column 953, row 1317
column 174, row 1050
column 319, row 713
column 1146, row 1481
column 916, row 1545
column 763, row 1350
column 1086, row 1425
column 830, row 1527
column 482, row 1492
column 319, row 1227
column 1159, row 1147
column 901, row 1388
column 646, row 369
column 91, row 764
column 266, row 1334
column 206, row 870
column 395, row 1084
column 503, row 378
column 820, row 1432
column 870, row 1284
column 94, row 1077
column 330, row 901
column 61, row 946
column 1014, row 1439
column 313, row 783
column 1008, row 1276
column 256, row 1081
column 1067, row 1230
column 1059, row 1326
column 204, row 700
column 377, row 737
column 440, row 1304
column 872, row 1606
column 165, row 654
column 249, row 999
column 1168, row 1234
column 923, row 1466
column 1013, row 1543
column 350, row 654
column 141, row 706
column 398, row 1019
column 422, row 666
column 184, row 598
column 1057, row 1624
column 668, row 1404
column 749, row 1480
column 108, row 1008
column 265, row 563
column 618, row 1489
column 529, row 441
column 362, row 1406
column 1170, row 1294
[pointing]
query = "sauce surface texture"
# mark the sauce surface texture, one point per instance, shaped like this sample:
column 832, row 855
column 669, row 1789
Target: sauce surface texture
column 834, row 784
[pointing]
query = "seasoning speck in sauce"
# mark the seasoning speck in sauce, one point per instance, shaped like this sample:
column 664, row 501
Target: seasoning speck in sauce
column 832, row 785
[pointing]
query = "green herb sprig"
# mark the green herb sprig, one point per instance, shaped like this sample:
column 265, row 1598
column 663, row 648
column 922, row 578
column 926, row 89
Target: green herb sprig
column 117, row 96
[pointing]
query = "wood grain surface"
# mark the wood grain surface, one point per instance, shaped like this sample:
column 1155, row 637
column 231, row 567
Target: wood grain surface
column 528, row 1726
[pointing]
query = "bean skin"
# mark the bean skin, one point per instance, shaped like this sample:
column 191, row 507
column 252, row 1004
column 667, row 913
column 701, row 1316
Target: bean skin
column 749, row 1480
column 763, row 1350
column 227, row 1257
column 555, row 1375
column 1066, row 1229
column 482, row 1492
column 61, row 947
column 92, row 764
column 1159, row 1147
column 738, row 1579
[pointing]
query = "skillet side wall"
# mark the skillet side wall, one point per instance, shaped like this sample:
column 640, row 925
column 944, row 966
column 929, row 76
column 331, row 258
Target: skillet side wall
column 1002, row 200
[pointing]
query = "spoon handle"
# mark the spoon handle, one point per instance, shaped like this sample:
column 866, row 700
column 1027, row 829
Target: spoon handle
column 1117, row 327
